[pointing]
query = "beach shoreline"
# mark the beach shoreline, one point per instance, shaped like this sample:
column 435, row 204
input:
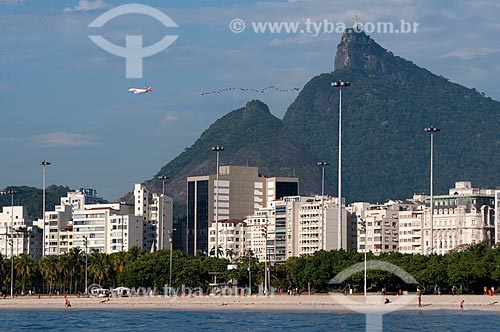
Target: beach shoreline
column 324, row 303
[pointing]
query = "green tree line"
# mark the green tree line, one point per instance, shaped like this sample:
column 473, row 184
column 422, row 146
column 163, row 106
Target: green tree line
column 469, row 269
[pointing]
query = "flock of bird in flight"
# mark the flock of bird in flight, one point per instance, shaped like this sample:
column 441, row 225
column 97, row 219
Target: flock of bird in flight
column 271, row 87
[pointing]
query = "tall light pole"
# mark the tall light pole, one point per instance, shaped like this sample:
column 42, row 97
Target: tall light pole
column 432, row 130
column 249, row 273
column 11, row 241
column 362, row 225
column 217, row 150
column 170, row 263
column 44, row 164
column 85, row 242
column 162, row 178
column 266, row 290
column 323, row 164
column 340, row 85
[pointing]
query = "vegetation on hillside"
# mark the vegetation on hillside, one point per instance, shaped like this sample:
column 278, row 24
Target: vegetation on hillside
column 32, row 198
column 386, row 153
column 250, row 136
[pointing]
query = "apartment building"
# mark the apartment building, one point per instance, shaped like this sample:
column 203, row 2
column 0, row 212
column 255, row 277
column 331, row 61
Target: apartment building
column 157, row 210
column 108, row 228
column 318, row 225
column 261, row 234
column 381, row 231
column 231, row 238
column 18, row 234
column 238, row 193
column 464, row 216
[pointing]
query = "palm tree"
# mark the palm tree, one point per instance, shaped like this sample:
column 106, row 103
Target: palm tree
column 230, row 254
column 134, row 254
column 77, row 260
column 25, row 267
column 99, row 266
column 118, row 262
column 48, row 268
column 65, row 272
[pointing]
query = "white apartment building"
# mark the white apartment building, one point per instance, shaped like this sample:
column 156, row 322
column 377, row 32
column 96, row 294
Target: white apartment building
column 292, row 211
column 156, row 210
column 261, row 234
column 55, row 222
column 231, row 238
column 59, row 221
column 18, row 234
column 295, row 226
column 382, row 225
column 410, row 231
column 108, row 228
column 464, row 216
column 318, row 225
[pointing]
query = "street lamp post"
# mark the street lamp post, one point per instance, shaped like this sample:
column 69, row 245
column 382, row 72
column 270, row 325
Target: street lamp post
column 432, row 130
column 85, row 242
column 323, row 164
column 217, row 150
column 44, row 164
column 11, row 243
column 249, row 273
column 340, row 85
column 162, row 178
column 170, row 263
column 266, row 290
column 362, row 224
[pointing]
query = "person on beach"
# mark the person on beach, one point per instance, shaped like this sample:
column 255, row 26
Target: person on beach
column 387, row 301
column 419, row 296
column 462, row 305
column 67, row 304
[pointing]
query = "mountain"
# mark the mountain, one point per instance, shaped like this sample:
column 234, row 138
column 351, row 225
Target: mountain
column 250, row 136
column 32, row 198
column 386, row 153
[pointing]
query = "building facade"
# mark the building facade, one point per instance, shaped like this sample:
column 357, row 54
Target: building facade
column 231, row 238
column 156, row 209
column 18, row 234
column 238, row 193
column 464, row 216
column 318, row 225
column 381, row 231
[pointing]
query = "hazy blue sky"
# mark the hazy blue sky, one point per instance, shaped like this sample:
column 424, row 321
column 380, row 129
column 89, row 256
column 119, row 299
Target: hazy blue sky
column 65, row 100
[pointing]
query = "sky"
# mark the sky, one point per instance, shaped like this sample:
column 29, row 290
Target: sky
column 66, row 100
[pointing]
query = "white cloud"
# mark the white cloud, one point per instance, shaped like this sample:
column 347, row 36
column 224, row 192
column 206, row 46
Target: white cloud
column 168, row 119
column 88, row 5
column 470, row 53
column 62, row 139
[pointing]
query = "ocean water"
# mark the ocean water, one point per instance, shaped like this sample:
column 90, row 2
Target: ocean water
column 163, row 320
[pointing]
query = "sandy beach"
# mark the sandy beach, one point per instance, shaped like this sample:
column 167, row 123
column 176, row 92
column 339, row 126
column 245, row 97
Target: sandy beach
column 258, row 303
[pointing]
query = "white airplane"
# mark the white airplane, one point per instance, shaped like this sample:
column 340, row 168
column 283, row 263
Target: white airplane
column 138, row 91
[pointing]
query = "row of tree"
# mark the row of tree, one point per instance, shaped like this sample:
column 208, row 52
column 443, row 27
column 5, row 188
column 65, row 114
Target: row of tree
column 469, row 269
